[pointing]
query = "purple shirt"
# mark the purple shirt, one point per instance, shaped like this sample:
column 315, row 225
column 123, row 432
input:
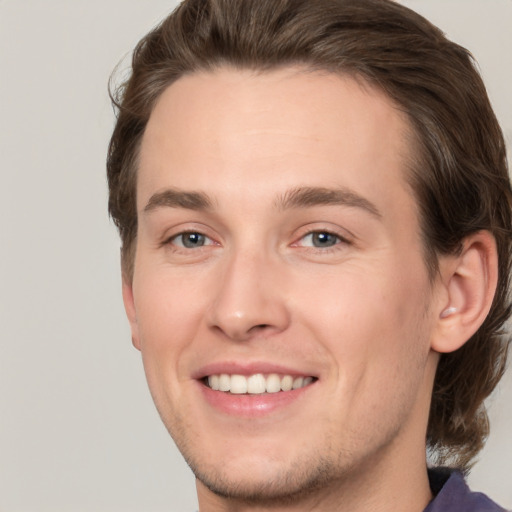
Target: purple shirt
column 453, row 495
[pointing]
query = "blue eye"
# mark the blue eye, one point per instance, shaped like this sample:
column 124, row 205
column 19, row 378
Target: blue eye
column 320, row 239
column 190, row 240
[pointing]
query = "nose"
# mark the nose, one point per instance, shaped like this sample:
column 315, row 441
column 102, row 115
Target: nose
column 250, row 300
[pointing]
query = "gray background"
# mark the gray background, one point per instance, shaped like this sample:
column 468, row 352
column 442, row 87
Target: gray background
column 78, row 430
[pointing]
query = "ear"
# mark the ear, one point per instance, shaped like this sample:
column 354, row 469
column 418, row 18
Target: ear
column 129, row 306
column 469, row 281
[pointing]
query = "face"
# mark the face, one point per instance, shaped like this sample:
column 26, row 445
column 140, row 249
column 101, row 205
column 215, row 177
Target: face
column 280, row 297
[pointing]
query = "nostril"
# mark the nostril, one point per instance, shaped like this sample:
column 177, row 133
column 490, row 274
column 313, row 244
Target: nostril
column 260, row 326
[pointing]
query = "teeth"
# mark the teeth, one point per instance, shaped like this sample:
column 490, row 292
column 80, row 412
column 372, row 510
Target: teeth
column 256, row 384
column 224, row 382
column 238, row 384
column 287, row 383
column 297, row 383
column 307, row 381
column 213, row 382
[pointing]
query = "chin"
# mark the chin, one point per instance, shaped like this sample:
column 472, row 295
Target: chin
column 267, row 475
column 267, row 481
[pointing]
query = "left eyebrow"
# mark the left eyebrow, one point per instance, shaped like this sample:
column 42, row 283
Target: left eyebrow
column 304, row 197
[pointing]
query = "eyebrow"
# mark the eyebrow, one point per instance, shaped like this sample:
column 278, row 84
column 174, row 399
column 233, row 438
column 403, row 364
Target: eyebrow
column 304, row 197
column 300, row 197
column 173, row 198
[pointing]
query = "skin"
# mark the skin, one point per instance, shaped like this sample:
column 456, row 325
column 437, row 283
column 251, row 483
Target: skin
column 360, row 314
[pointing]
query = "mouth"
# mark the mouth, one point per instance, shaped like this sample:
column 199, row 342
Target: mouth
column 256, row 384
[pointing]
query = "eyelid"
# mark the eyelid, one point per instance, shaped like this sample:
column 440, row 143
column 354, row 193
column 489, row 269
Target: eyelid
column 183, row 233
column 344, row 236
column 182, row 229
column 313, row 233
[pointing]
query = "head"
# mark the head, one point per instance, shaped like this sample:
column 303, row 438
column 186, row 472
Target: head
column 452, row 154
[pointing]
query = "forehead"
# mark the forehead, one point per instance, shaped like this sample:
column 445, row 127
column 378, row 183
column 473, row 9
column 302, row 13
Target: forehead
column 221, row 130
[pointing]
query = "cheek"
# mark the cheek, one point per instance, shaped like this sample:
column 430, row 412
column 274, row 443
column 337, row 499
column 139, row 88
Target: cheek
column 169, row 311
column 375, row 332
column 372, row 319
column 168, row 316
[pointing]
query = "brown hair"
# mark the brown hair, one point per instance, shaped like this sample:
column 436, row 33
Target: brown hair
column 459, row 177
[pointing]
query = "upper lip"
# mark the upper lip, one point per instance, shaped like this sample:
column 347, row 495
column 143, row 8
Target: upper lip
column 248, row 368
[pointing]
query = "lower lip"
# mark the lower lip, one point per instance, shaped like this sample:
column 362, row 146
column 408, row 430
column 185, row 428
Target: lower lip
column 251, row 405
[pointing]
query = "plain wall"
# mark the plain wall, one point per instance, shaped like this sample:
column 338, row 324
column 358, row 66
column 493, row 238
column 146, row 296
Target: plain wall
column 78, row 430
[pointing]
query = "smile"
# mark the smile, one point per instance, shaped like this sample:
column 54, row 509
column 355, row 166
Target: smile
column 256, row 384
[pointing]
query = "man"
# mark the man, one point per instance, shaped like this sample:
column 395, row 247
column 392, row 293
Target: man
column 315, row 216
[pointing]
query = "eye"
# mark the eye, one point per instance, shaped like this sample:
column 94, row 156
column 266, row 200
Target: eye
column 320, row 239
column 190, row 240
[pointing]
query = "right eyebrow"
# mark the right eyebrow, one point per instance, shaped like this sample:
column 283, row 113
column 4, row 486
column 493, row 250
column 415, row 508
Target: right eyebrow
column 174, row 198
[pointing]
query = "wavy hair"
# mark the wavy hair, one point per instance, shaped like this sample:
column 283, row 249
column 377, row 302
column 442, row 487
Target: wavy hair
column 459, row 175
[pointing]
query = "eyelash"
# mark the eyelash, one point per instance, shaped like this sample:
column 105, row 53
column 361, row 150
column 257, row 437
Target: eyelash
column 339, row 240
column 341, row 243
column 172, row 240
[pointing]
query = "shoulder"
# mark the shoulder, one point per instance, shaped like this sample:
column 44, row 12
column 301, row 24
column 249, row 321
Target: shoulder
column 453, row 495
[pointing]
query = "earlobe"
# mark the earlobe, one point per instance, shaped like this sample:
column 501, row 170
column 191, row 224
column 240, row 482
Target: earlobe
column 129, row 306
column 470, row 279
